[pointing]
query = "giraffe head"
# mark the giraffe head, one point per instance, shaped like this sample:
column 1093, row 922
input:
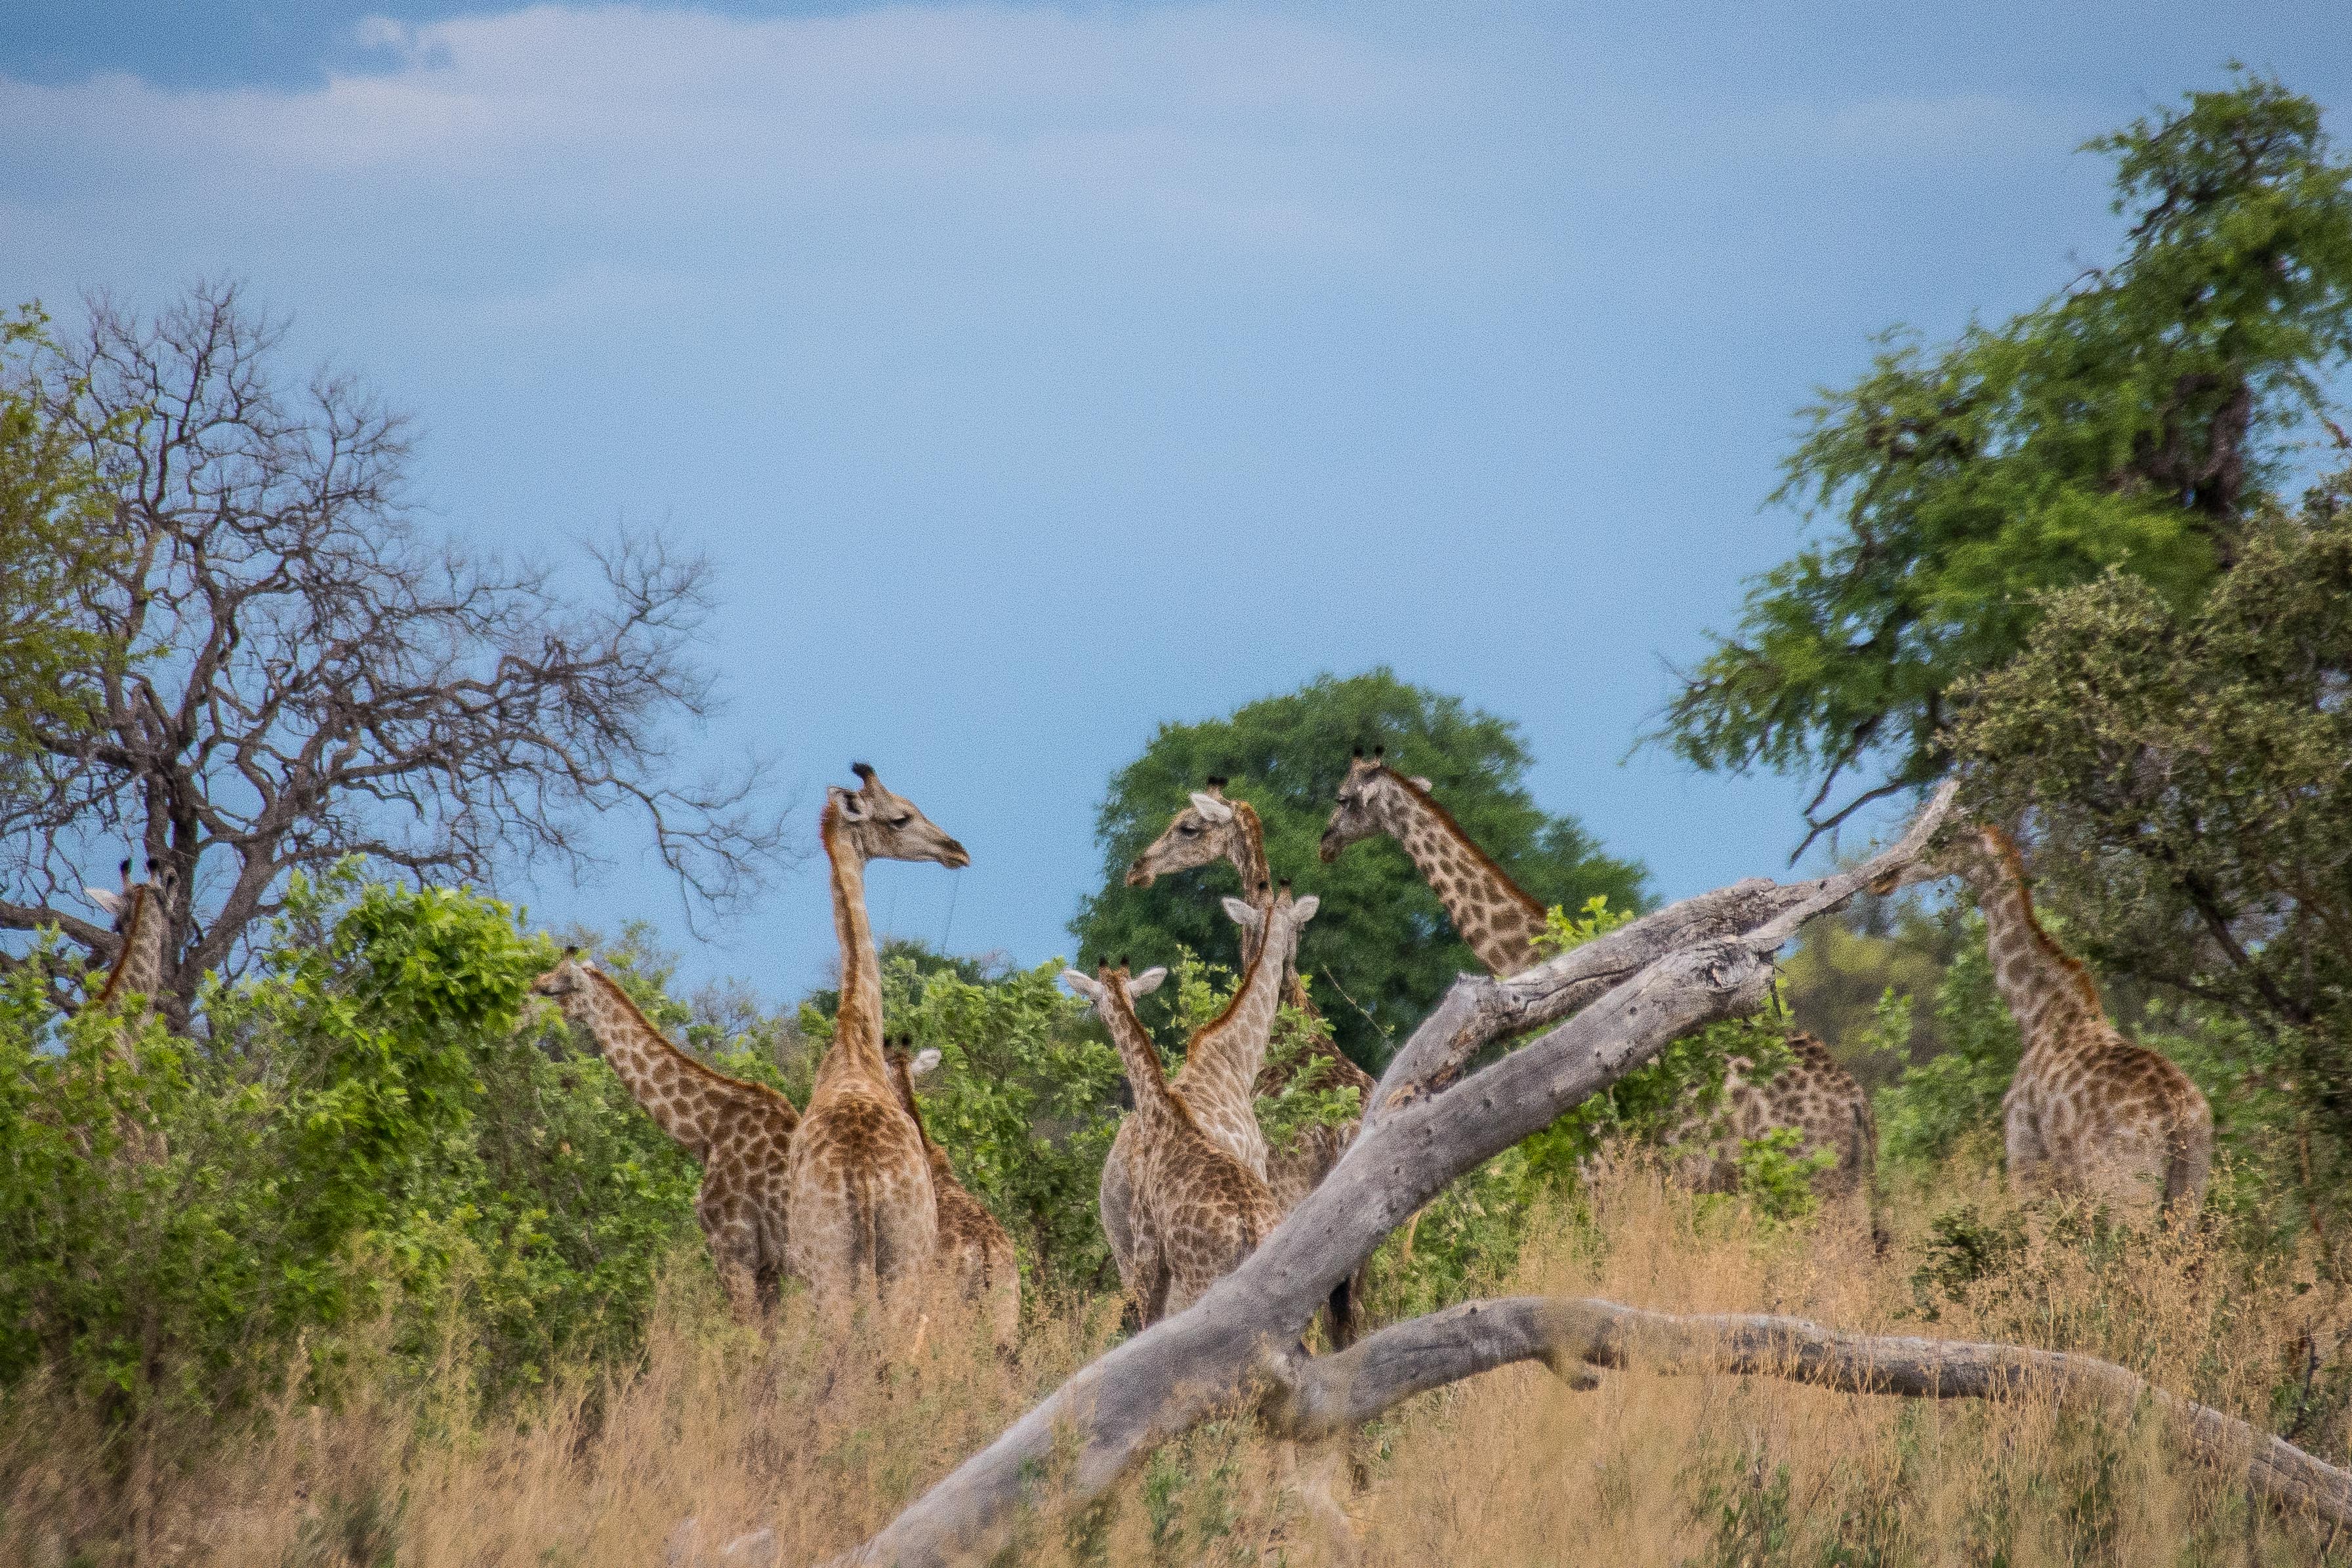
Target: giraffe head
column 1202, row 832
column 1371, row 799
column 570, row 985
column 1276, row 911
column 1974, row 851
column 883, row 826
column 1111, row 982
column 122, row 907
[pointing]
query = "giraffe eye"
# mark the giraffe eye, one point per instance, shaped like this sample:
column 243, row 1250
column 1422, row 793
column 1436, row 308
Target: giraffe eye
column 1186, row 829
column 900, row 821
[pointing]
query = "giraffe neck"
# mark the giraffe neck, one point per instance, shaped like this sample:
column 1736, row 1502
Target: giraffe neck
column 2044, row 988
column 1155, row 1101
column 1245, row 847
column 857, row 1049
column 139, row 967
column 1497, row 919
column 672, row 1089
column 1221, row 1061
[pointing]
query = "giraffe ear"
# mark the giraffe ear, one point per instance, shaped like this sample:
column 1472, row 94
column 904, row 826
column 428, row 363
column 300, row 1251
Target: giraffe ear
column 1423, row 785
column 111, row 902
column 1085, row 985
column 850, row 803
column 924, row 1063
column 1211, row 808
column 1304, row 909
column 1243, row 913
column 1145, row 984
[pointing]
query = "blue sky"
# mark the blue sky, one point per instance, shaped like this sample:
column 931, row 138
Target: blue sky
column 1039, row 375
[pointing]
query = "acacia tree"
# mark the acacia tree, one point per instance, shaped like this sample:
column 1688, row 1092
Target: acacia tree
column 297, row 673
column 2138, row 420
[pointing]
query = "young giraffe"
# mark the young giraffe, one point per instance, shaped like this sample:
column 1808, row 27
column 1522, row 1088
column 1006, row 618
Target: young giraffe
column 142, row 913
column 1221, row 1065
column 1501, row 922
column 1196, row 1211
column 971, row 1241
column 864, row 1211
column 741, row 1133
column 1214, row 827
column 2088, row 1113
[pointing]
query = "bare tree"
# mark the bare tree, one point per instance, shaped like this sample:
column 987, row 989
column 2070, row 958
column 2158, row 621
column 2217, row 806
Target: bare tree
column 303, row 675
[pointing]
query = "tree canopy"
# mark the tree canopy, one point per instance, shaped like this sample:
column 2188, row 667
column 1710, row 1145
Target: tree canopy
column 1381, row 950
column 2135, row 420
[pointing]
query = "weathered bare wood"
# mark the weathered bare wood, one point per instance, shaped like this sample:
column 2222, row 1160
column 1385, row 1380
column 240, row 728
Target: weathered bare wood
column 1329, row 1394
column 1702, row 960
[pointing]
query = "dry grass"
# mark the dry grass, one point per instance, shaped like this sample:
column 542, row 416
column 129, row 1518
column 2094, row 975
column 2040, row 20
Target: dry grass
column 808, row 1434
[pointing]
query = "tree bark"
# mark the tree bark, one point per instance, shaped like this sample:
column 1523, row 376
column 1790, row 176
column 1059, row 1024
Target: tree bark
column 1638, row 989
column 1329, row 1394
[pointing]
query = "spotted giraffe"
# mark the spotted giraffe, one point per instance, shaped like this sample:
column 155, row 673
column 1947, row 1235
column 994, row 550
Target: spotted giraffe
column 1221, row 1065
column 741, row 1133
column 143, row 914
column 865, row 1214
column 975, row 1249
column 1501, row 922
column 1215, row 826
column 1195, row 1211
column 2089, row 1112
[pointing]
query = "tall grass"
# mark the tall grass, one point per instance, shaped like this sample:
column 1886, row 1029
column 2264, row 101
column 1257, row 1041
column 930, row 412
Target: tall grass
column 823, row 1436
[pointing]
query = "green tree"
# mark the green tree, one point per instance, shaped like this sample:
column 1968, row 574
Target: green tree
column 2135, row 420
column 56, row 541
column 1382, row 952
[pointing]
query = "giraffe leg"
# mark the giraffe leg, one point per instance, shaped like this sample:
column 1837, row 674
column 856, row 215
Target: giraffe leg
column 734, row 1243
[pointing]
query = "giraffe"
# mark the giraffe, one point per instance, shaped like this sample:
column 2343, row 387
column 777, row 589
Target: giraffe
column 1196, row 1211
column 741, row 1133
column 973, row 1246
column 1212, row 827
column 864, row 1211
column 1221, row 1063
column 142, row 913
column 1501, row 922
column 2089, row 1112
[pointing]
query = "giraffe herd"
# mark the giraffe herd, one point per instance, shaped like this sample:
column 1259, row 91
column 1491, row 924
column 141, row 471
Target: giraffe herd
column 853, row 1197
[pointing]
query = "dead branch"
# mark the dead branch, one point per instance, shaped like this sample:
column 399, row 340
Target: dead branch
column 1640, row 988
column 1329, row 1394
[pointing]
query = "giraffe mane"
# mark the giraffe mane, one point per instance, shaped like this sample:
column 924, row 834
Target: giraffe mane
column 2013, row 863
column 696, row 1069
column 1527, row 900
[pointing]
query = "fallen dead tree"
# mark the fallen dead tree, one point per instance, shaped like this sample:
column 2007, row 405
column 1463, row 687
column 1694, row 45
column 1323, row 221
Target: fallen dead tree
column 1602, row 1009
column 1330, row 1394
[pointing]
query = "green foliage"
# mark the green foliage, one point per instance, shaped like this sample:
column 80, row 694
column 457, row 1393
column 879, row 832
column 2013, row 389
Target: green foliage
column 2130, row 423
column 1307, row 1098
column 1850, row 968
column 1777, row 1175
column 1382, row 952
column 56, row 541
column 368, row 1144
column 1954, row 1096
